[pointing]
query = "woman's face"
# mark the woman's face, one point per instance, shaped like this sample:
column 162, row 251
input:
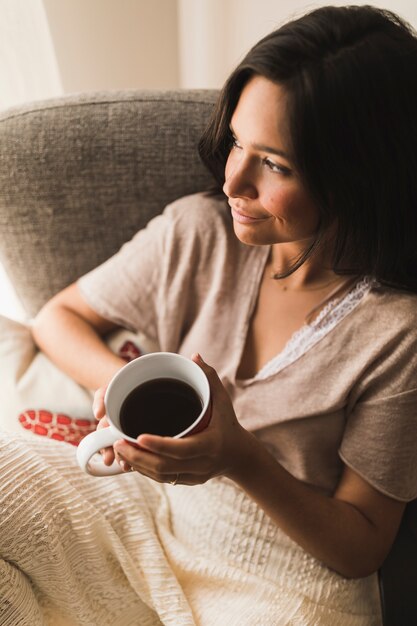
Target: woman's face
column 269, row 204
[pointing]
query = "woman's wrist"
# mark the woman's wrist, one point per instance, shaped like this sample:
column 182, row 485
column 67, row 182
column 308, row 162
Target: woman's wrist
column 246, row 460
column 113, row 364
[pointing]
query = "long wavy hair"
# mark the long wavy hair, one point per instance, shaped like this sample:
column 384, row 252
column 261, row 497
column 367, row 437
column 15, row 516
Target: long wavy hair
column 350, row 75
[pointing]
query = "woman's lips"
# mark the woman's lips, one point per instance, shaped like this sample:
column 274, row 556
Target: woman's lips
column 243, row 218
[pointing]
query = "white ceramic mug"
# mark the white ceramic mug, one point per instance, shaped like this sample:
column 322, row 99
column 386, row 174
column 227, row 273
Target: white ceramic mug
column 135, row 373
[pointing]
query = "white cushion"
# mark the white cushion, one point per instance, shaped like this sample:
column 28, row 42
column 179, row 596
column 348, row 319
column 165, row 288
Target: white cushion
column 30, row 382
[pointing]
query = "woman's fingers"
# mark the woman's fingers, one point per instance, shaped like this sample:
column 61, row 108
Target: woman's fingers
column 107, row 453
column 103, row 423
column 98, row 403
column 216, row 384
column 160, row 467
column 189, row 447
column 108, row 456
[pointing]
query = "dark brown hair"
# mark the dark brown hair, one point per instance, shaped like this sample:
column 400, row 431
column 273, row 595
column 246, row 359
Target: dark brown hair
column 350, row 74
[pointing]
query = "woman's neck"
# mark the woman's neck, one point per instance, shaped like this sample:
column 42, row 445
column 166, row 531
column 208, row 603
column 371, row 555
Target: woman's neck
column 314, row 272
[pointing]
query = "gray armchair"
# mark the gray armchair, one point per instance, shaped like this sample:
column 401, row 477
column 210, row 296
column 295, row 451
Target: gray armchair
column 80, row 175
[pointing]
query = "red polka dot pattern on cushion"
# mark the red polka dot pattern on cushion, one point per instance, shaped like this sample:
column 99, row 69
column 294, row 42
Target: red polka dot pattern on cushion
column 63, row 427
column 129, row 351
column 56, row 425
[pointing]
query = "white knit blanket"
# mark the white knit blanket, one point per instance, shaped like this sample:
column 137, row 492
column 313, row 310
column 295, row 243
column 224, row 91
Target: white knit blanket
column 120, row 551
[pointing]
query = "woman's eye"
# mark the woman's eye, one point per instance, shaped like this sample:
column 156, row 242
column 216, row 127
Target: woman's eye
column 234, row 143
column 274, row 167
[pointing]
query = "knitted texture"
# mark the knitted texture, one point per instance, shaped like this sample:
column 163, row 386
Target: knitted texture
column 120, row 551
column 80, row 174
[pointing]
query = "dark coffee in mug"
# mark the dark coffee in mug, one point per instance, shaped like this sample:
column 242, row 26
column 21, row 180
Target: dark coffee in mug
column 162, row 406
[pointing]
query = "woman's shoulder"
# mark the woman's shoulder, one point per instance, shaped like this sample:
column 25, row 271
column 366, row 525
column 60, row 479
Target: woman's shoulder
column 201, row 222
column 199, row 201
column 200, row 211
column 397, row 305
column 199, row 206
column 387, row 317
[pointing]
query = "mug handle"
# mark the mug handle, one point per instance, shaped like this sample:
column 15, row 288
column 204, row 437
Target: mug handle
column 90, row 445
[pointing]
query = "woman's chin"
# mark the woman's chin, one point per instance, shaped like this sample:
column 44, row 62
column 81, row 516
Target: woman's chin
column 251, row 235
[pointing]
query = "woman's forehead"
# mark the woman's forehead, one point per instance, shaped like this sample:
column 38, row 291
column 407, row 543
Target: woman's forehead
column 261, row 117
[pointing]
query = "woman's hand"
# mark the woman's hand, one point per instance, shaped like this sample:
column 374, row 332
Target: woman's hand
column 99, row 412
column 195, row 459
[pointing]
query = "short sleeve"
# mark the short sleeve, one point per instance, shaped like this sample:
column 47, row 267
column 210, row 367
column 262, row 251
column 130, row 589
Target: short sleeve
column 380, row 436
column 124, row 289
column 380, row 443
column 157, row 283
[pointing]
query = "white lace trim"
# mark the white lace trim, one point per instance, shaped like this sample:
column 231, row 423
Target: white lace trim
column 310, row 334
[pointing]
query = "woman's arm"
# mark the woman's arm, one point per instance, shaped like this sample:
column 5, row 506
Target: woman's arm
column 351, row 532
column 70, row 333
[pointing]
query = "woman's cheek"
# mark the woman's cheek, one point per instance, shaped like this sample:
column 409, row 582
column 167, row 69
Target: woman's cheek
column 276, row 203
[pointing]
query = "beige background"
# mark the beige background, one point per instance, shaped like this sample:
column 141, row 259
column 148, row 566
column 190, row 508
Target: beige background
column 114, row 44
column 51, row 47
column 166, row 43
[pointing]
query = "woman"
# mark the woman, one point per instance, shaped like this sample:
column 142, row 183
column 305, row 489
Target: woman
column 304, row 306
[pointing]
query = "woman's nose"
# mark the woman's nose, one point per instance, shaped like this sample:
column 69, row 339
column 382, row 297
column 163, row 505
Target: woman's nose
column 239, row 180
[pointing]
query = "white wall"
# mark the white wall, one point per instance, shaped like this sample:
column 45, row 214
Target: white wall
column 28, row 68
column 85, row 45
column 215, row 34
column 114, row 44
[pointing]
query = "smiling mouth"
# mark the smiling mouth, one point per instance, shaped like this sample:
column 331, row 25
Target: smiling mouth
column 243, row 218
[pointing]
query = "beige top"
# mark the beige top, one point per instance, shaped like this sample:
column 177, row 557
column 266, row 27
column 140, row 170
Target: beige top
column 349, row 395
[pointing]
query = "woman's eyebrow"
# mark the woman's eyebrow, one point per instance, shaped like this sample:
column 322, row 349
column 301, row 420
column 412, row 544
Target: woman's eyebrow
column 264, row 148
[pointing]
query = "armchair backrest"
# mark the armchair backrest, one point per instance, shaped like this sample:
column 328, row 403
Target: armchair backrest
column 79, row 175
